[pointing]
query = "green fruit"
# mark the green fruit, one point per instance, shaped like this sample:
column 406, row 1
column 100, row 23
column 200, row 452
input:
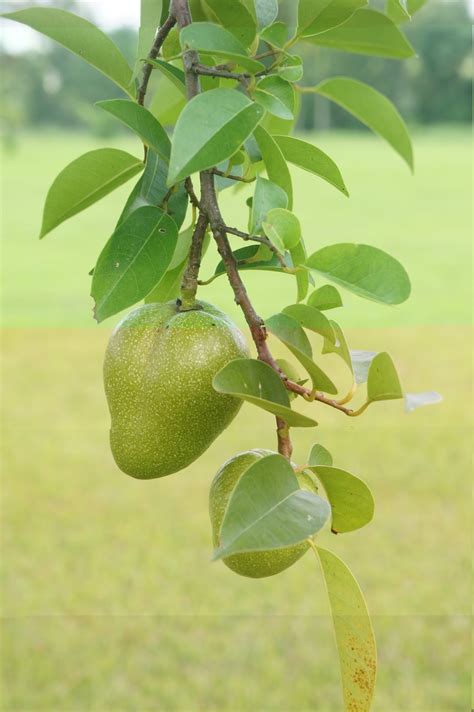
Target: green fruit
column 255, row 564
column 158, row 373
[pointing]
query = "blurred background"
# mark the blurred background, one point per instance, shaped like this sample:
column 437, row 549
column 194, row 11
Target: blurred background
column 109, row 599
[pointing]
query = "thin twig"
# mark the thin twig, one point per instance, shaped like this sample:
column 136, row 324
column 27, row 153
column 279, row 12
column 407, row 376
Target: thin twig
column 263, row 241
column 161, row 35
column 231, row 176
column 218, row 73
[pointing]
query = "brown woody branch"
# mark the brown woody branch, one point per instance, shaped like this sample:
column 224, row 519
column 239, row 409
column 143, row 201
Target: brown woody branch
column 231, row 176
column 221, row 73
column 161, row 35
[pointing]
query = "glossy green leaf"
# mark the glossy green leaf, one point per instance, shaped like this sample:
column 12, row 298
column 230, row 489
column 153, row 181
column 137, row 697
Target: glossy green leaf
column 142, row 122
column 291, row 68
column 267, row 196
column 312, row 319
column 248, row 258
column 210, row 129
column 383, row 382
column 85, row 181
column 275, row 164
column 361, row 361
column 256, row 382
column 319, row 455
column 167, row 102
column 236, row 18
column 283, row 228
column 373, row 109
column 352, row 503
column 340, row 347
column 277, row 96
column 418, row 400
column 267, row 11
column 325, row 298
column 354, row 635
column 267, row 510
column 316, row 16
column 290, row 333
column 214, row 40
column 312, row 159
column 151, row 189
column 397, row 11
column 80, row 37
column 133, row 261
column 364, row 270
column 174, row 74
column 150, row 20
column 367, row 32
column 299, row 256
column 275, row 35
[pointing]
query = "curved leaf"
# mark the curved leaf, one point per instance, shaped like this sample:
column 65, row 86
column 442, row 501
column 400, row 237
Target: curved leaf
column 383, row 382
column 299, row 256
column 210, row 129
column 142, row 122
column 150, row 19
column 291, row 68
column 354, row 634
column 267, row 196
column 85, row 181
column 316, row 16
column 275, row 35
column 340, row 347
column 214, row 40
column 289, row 332
column 257, row 383
column 319, row 456
column 325, row 297
column 174, row 74
column 248, row 258
column 373, row 109
column 311, row 159
column 283, row 228
column 311, row 318
column 277, row 96
column 267, row 510
column 267, row 11
column 236, row 18
column 133, row 261
column 352, row 503
column 80, row 37
column 277, row 168
column 364, row 270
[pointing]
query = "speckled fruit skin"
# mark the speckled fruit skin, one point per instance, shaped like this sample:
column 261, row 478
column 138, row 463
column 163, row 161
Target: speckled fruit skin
column 158, row 373
column 258, row 564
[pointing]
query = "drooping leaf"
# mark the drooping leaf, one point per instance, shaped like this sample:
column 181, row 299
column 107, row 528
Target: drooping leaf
column 210, row 129
column 277, row 168
column 289, row 332
column 276, row 95
column 299, row 256
column 316, row 16
column 361, row 361
column 236, row 18
column 142, row 122
column 80, row 37
column 133, row 261
column 383, row 382
column 256, row 382
column 354, row 635
column 211, row 39
column 291, row 68
column 150, row 20
column 85, row 181
column 267, row 11
column 151, row 189
column 418, row 400
column 312, row 159
column 312, row 319
column 319, row 456
column 267, row 196
column 373, row 109
column 267, row 510
column 340, row 347
column 275, row 34
column 174, row 74
column 283, row 228
column 367, row 32
column 364, row 270
column 352, row 503
column 325, row 298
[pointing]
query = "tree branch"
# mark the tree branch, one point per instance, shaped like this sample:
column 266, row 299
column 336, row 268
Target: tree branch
column 230, row 176
column 161, row 35
column 220, row 73
column 190, row 277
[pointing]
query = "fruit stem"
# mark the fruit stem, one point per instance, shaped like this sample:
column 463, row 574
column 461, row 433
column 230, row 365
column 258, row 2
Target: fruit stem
column 189, row 284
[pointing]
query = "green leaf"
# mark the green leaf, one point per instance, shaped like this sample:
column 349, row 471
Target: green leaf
column 367, row 32
column 373, row 109
column 291, row 68
column 364, row 270
column 283, row 228
column 257, row 383
column 267, row 11
column 299, row 256
column 418, row 400
column 133, row 261
column 275, row 163
column 290, row 333
column 210, row 129
column 150, row 20
column 340, row 347
column 361, row 361
column 354, row 635
column 142, row 122
column 248, row 259
column 214, row 40
column 174, row 74
column 325, row 297
column 311, row 159
column 383, row 382
column 275, row 35
column 236, row 18
column 319, row 456
column 312, row 319
column 277, row 96
column 316, row 16
column 267, row 196
column 85, row 181
column 267, row 510
column 351, row 501
column 397, row 11
column 151, row 189
column 80, row 37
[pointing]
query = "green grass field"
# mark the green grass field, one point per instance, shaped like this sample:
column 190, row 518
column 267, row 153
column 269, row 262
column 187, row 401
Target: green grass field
column 110, row 601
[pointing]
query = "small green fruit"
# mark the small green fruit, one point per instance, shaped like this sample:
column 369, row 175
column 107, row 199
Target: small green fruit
column 158, row 373
column 257, row 564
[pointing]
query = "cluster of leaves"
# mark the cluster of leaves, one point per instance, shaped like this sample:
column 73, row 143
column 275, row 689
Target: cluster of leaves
column 238, row 127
